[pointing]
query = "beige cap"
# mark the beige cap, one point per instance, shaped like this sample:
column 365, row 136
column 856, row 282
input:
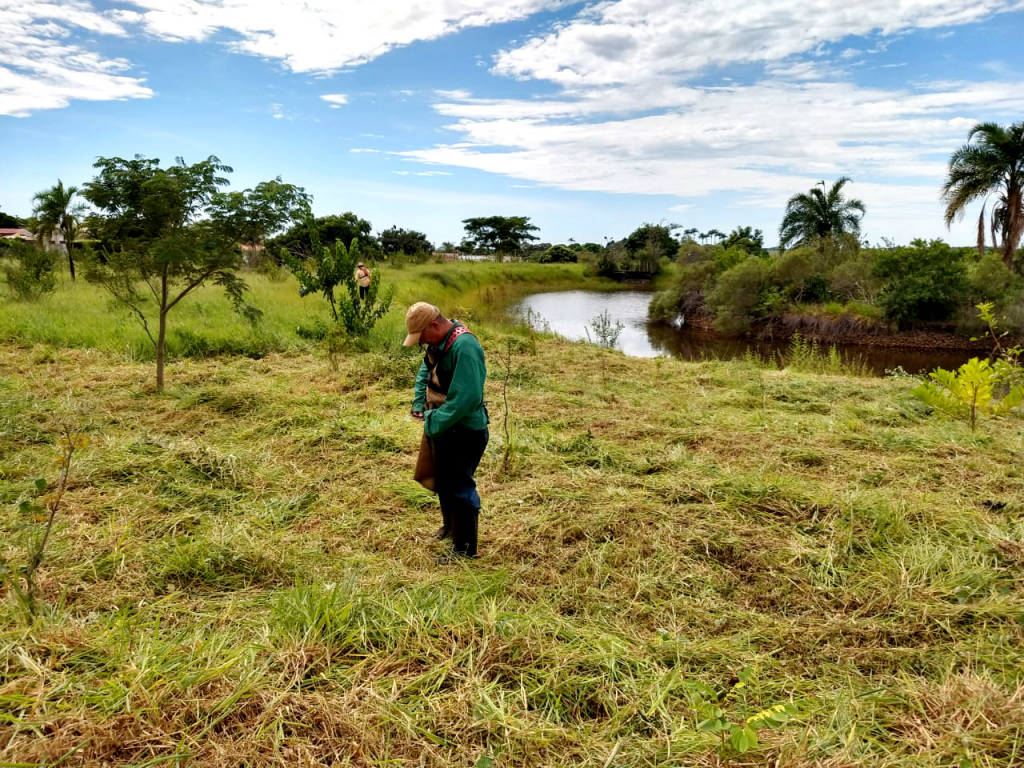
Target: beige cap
column 419, row 316
column 359, row 264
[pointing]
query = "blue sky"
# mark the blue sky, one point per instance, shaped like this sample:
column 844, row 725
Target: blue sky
column 591, row 118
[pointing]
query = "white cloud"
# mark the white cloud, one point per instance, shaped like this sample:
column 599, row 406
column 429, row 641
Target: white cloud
column 361, row 150
column 631, row 41
column 41, row 69
column 324, row 35
column 759, row 143
column 335, row 99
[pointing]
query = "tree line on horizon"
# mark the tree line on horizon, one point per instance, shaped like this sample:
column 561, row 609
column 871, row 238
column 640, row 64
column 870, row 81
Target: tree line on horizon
column 178, row 221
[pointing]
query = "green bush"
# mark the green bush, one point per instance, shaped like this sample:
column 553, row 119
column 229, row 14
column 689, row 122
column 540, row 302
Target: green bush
column 801, row 273
column 727, row 258
column 854, row 278
column 989, row 279
column 31, row 271
column 743, row 295
column 922, row 281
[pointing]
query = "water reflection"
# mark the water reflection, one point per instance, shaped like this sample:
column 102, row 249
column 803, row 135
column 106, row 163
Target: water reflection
column 569, row 313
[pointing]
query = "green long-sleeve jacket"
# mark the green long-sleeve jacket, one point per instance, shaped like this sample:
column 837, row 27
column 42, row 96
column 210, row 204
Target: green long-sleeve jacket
column 463, row 364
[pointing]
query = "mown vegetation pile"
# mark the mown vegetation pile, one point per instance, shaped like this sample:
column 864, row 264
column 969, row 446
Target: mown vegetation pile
column 242, row 571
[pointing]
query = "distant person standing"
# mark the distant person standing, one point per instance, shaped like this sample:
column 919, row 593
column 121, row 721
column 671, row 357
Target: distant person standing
column 449, row 399
column 363, row 277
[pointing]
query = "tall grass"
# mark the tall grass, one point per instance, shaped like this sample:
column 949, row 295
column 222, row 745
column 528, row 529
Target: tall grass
column 80, row 315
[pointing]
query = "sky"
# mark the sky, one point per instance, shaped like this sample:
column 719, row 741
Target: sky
column 591, row 118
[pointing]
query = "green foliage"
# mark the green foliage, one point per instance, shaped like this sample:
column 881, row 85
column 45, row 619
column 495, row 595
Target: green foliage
column 747, row 239
column 556, row 254
column 331, row 273
column 728, row 257
column 989, row 278
column 652, row 242
column 30, row 269
column 819, row 214
column 255, row 214
column 743, row 294
column 7, row 221
column 160, row 229
column 503, row 235
column 973, row 390
column 922, row 281
column 991, row 163
column 57, row 209
column 346, row 228
column 724, row 712
column 408, row 242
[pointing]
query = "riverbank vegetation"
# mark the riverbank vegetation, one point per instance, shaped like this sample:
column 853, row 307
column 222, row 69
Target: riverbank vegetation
column 837, row 287
column 241, row 569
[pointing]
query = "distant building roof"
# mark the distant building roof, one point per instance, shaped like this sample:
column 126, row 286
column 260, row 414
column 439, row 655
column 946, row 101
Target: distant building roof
column 15, row 233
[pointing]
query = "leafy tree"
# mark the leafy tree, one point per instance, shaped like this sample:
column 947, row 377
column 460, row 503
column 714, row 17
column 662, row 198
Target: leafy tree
column 652, row 240
column 258, row 213
column 992, row 165
column 922, row 281
column 746, row 238
column 162, row 238
column 449, row 247
column 56, row 209
column 556, row 254
column 408, row 241
column 503, row 235
column 330, row 229
column 820, row 214
column 7, row 221
column 331, row 272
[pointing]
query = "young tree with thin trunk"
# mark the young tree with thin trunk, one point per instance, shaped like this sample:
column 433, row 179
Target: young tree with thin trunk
column 56, row 209
column 162, row 239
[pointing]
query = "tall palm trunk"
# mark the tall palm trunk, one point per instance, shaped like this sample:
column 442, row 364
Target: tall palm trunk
column 71, row 259
column 1014, row 225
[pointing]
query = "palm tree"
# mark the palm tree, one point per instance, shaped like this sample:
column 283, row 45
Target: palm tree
column 991, row 165
column 55, row 208
column 818, row 214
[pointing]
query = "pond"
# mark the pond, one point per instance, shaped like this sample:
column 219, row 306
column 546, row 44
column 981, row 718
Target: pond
column 571, row 314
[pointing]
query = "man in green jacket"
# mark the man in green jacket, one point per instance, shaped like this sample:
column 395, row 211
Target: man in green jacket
column 449, row 399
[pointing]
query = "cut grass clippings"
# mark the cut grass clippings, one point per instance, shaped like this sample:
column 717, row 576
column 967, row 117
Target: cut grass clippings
column 242, row 572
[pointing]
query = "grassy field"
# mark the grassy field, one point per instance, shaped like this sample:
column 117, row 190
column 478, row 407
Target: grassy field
column 242, row 573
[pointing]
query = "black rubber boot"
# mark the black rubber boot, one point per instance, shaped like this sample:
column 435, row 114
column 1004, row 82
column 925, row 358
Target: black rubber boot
column 445, row 531
column 465, row 520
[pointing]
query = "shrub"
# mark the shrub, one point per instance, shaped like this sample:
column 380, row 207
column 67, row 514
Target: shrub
column 30, row 270
column 922, row 281
column 744, row 294
column 801, row 272
column 989, row 279
column 854, row 279
column 727, row 258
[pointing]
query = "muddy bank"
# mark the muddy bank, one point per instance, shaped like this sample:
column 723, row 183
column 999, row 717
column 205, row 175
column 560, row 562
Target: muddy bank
column 850, row 330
